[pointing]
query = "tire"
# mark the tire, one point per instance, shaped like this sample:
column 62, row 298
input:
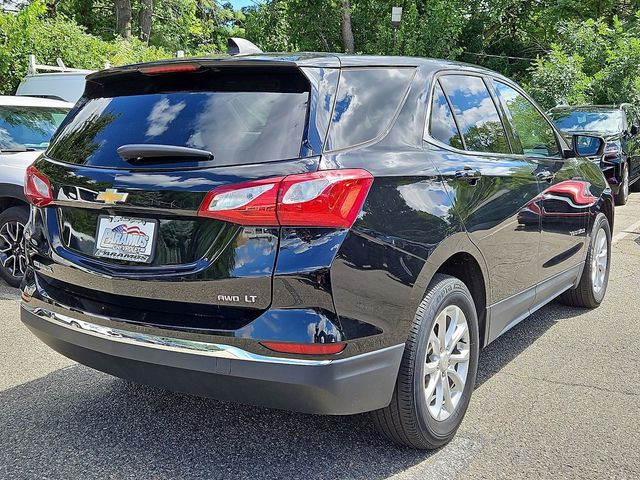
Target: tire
column 12, row 222
column 586, row 294
column 409, row 419
column 623, row 190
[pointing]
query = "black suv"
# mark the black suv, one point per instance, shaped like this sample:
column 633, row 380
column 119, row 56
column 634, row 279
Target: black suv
column 321, row 233
column 619, row 125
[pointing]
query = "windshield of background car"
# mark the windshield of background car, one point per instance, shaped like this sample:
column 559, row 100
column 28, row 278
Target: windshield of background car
column 28, row 127
column 241, row 117
column 599, row 121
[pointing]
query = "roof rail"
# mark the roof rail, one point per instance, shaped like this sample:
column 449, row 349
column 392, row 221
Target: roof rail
column 34, row 67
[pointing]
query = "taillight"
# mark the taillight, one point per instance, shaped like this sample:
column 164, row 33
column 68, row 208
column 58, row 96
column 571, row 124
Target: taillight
column 328, row 198
column 37, row 187
column 305, row 348
column 248, row 203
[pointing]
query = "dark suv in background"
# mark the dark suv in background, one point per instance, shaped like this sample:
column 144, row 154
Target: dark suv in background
column 619, row 125
column 321, row 233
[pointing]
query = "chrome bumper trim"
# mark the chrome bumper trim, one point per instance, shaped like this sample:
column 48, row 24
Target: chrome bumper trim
column 216, row 350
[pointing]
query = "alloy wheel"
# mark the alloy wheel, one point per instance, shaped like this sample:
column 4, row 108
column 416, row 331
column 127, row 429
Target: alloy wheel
column 12, row 248
column 447, row 362
column 599, row 261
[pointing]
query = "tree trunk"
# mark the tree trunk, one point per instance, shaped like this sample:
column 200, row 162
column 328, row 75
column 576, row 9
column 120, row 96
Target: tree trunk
column 347, row 32
column 123, row 18
column 146, row 18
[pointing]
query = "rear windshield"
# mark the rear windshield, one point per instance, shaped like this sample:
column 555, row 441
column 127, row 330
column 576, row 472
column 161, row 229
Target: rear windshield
column 28, row 127
column 239, row 117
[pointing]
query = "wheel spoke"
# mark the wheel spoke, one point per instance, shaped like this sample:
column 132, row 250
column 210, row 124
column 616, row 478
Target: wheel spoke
column 457, row 380
column 448, row 402
column 439, row 395
column 462, row 357
column 430, row 383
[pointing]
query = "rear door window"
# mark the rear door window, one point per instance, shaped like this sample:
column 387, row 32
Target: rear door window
column 476, row 113
column 366, row 103
column 442, row 125
column 239, row 117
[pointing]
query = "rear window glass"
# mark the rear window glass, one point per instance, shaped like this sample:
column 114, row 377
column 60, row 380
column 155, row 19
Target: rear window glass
column 239, row 118
column 28, row 127
column 476, row 114
column 366, row 102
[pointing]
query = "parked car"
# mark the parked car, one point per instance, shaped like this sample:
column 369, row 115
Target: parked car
column 26, row 126
column 313, row 232
column 620, row 127
column 53, row 81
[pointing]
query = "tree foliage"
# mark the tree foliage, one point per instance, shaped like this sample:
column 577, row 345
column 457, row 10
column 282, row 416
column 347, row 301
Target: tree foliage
column 564, row 50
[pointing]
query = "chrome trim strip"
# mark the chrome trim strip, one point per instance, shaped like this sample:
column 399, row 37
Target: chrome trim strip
column 179, row 345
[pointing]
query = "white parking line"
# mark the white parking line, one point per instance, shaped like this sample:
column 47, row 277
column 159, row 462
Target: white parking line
column 635, row 228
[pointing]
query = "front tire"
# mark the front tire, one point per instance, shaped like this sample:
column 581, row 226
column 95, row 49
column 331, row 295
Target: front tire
column 622, row 196
column 595, row 275
column 438, row 369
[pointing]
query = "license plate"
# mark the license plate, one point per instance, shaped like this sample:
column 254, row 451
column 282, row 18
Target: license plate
column 125, row 238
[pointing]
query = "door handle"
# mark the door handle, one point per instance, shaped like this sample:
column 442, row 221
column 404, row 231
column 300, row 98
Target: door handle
column 469, row 175
column 545, row 175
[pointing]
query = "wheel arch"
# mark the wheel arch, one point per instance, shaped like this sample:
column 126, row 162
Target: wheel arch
column 11, row 196
column 459, row 257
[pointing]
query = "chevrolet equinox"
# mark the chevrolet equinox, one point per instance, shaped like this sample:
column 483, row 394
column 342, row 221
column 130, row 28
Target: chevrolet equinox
column 321, row 233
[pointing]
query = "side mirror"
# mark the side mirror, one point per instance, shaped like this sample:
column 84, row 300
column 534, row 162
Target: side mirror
column 587, row 145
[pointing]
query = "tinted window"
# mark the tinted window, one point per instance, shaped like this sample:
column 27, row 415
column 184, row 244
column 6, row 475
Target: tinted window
column 366, row 102
column 239, row 118
column 597, row 121
column 476, row 113
column 28, row 127
column 534, row 132
column 442, row 126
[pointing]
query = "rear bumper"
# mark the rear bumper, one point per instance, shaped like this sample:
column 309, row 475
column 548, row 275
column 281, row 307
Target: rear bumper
column 344, row 386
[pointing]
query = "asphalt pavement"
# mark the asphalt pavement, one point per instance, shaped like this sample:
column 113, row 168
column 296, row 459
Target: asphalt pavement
column 557, row 397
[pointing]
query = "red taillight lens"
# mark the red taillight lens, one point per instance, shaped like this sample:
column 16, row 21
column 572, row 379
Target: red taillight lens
column 248, row 203
column 176, row 68
column 37, row 187
column 328, row 198
column 305, row 348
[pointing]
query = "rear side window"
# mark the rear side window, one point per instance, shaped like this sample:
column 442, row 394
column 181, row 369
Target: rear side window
column 241, row 117
column 534, row 132
column 442, row 126
column 476, row 114
column 366, row 102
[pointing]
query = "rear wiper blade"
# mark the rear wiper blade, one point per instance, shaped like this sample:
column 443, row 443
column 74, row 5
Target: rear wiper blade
column 140, row 151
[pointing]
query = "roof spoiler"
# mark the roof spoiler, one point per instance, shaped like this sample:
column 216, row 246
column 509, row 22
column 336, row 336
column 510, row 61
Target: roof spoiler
column 241, row 46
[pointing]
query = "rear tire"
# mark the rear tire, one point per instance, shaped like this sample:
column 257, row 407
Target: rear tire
column 594, row 280
column 12, row 259
column 421, row 415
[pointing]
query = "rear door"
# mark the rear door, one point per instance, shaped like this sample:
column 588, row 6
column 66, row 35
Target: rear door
column 565, row 201
column 494, row 192
column 127, row 224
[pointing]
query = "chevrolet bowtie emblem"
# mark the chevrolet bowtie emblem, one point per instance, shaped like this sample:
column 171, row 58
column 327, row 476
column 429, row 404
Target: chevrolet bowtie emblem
column 111, row 195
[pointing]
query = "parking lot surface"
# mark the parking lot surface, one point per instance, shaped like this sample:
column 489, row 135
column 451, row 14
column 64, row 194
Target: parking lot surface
column 557, row 397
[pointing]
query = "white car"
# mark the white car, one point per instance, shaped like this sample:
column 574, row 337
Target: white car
column 67, row 86
column 26, row 126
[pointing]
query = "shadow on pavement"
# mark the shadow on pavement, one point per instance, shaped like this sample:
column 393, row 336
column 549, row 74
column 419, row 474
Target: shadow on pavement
column 78, row 423
column 508, row 346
